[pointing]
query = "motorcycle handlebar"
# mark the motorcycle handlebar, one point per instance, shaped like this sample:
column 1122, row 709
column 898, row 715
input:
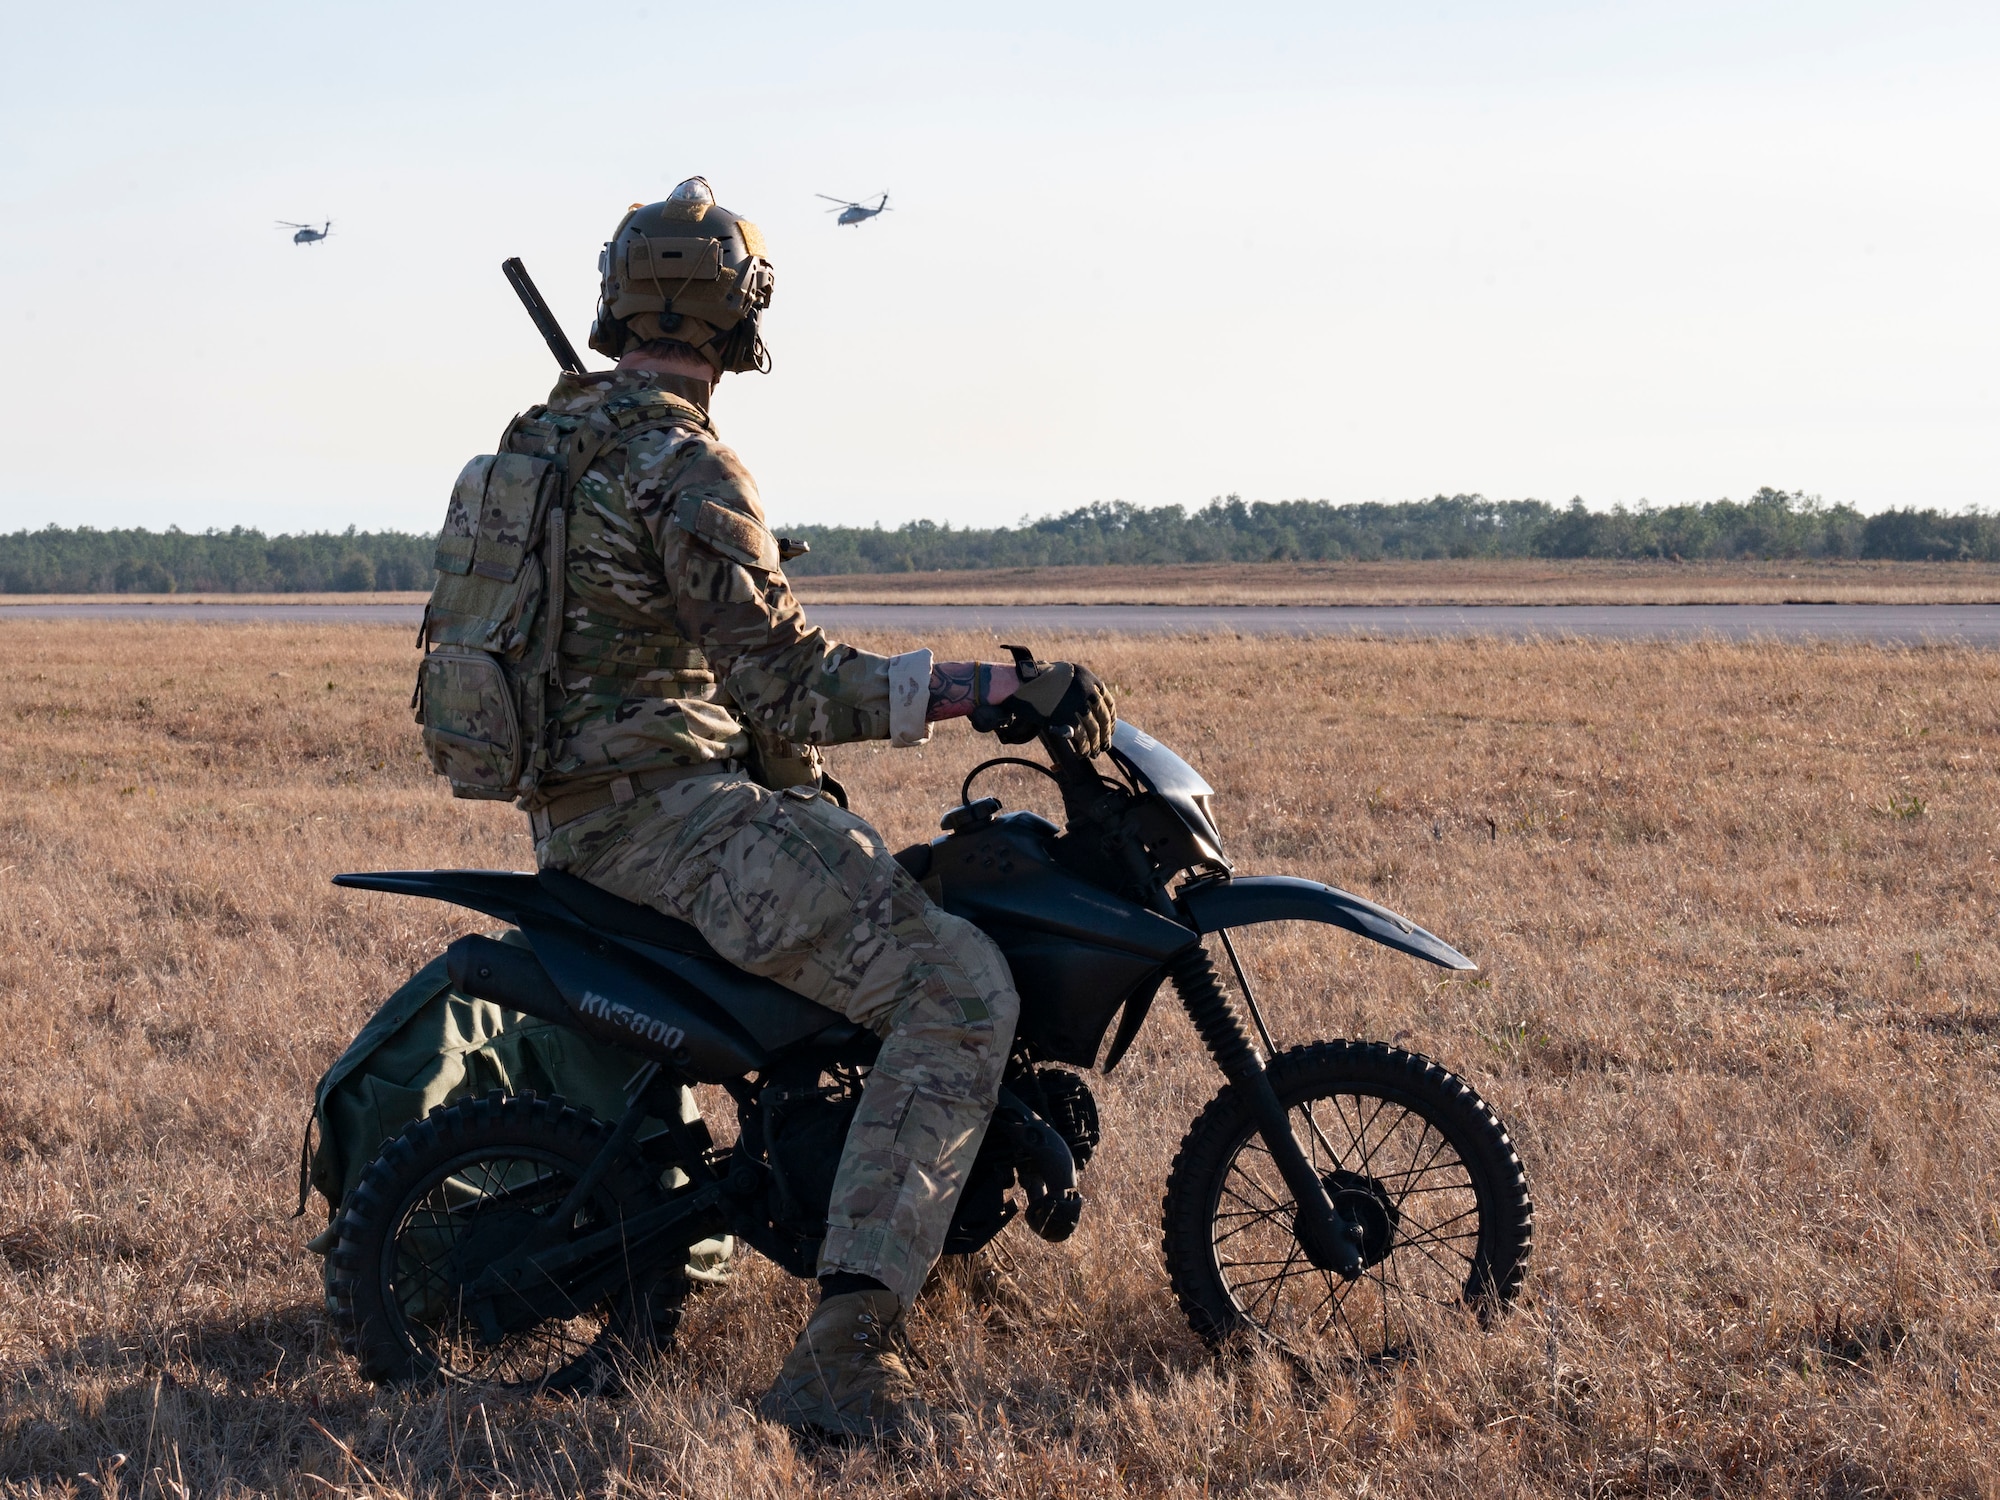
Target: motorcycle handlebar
column 1069, row 765
column 1081, row 782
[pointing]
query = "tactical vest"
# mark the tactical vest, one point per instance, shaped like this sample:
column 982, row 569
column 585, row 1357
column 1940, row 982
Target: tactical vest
column 500, row 642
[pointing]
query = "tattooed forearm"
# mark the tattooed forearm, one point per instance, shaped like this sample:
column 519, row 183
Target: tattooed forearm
column 958, row 687
column 954, row 690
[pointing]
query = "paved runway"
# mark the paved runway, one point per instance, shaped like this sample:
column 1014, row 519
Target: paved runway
column 1885, row 624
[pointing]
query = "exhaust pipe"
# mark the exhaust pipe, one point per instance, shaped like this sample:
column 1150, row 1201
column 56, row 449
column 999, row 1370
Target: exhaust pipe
column 1045, row 1167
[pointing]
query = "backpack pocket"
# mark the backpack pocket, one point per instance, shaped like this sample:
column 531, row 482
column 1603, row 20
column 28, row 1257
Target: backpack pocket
column 490, row 574
column 472, row 729
column 495, row 515
column 518, row 492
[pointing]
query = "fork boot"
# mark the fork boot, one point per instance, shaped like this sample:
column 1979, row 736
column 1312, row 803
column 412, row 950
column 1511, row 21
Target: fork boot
column 842, row 1378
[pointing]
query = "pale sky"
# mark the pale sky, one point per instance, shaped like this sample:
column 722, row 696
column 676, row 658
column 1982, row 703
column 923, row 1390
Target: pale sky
column 1149, row 252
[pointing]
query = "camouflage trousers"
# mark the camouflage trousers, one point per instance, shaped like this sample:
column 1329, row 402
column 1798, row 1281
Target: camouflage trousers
column 790, row 886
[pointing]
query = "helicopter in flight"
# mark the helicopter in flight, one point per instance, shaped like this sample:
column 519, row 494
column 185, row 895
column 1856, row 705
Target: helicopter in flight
column 307, row 235
column 852, row 212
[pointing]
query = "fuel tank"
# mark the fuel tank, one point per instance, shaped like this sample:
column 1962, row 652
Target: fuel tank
column 1077, row 951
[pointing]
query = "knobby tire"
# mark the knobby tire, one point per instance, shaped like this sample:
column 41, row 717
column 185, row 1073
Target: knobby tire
column 419, row 1202
column 1410, row 1152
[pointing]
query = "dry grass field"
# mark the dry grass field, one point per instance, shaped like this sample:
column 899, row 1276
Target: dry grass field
column 1444, row 581
column 1740, row 1006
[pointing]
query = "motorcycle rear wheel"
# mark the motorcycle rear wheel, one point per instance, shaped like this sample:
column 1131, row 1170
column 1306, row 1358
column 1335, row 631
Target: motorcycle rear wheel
column 442, row 1200
column 1410, row 1155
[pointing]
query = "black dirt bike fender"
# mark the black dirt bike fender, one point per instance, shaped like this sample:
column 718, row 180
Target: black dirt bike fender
column 511, row 895
column 1285, row 898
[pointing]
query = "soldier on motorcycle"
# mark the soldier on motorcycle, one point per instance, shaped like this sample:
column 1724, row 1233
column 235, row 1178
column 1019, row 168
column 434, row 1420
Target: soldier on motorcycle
column 683, row 772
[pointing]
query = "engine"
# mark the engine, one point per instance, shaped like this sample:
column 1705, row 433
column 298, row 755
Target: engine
column 1043, row 1132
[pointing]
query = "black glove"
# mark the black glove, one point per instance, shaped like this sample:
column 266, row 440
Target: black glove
column 1057, row 695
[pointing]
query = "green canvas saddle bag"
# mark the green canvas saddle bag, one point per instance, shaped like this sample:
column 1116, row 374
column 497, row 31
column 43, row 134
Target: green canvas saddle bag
column 429, row 1046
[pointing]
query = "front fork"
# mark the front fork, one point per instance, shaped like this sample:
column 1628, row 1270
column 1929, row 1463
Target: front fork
column 1330, row 1242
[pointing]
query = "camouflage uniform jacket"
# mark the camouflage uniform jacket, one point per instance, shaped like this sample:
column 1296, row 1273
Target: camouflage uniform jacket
column 680, row 634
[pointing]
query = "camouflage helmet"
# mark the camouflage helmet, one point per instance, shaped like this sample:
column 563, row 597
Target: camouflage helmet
column 685, row 269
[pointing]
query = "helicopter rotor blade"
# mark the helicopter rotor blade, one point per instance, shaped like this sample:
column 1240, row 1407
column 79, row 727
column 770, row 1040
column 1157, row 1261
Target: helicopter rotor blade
column 843, row 202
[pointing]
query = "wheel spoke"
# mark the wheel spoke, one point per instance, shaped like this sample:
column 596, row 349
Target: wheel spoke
column 1339, row 1291
column 1340, row 1102
column 1455, row 1300
column 1277, row 1283
column 1414, row 1171
column 1464, row 1185
column 1444, row 1267
column 1423, row 1247
column 1274, row 1260
column 1240, row 1228
column 1416, row 1150
column 1282, row 1263
column 1430, row 1231
column 1276, row 1205
column 1222, row 1215
column 1367, row 1161
column 1340, row 1311
column 1333, row 1157
column 1243, row 1213
column 1327, row 1277
column 1419, row 1234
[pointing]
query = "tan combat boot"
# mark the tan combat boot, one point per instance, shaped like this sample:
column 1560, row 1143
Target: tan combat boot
column 842, row 1378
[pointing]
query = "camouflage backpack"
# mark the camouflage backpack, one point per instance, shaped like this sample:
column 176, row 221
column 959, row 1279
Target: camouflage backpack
column 490, row 654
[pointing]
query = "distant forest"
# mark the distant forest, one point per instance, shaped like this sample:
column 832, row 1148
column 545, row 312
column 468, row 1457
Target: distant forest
column 57, row 560
column 1770, row 524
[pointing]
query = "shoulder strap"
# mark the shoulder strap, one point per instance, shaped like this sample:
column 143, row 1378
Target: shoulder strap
column 620, row 420
column 609, row 427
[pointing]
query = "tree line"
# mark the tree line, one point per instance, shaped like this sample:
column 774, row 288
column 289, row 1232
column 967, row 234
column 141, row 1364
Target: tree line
column 1770, row 524
column 83, row 560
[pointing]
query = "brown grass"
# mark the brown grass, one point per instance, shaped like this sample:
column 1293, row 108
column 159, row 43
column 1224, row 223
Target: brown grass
column 1741, row 1006
column 1507, row 581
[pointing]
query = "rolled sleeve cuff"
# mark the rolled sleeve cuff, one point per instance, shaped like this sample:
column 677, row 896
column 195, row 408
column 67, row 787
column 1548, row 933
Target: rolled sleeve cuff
column 909, row 698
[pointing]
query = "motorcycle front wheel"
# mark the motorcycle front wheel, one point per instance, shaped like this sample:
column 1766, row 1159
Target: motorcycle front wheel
column 458, row 1190
column 1415, row 1160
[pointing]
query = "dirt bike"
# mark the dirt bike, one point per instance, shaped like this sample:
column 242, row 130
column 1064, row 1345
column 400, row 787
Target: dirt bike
column 1323, row 1201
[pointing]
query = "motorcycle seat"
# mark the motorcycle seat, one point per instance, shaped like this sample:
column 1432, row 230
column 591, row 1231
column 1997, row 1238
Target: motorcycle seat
column 772, row 1014
column 614, row 914
column 602, row 910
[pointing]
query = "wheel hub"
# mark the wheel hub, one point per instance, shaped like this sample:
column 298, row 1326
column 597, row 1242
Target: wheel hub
column 493, row 1236
column 1365, row 1204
